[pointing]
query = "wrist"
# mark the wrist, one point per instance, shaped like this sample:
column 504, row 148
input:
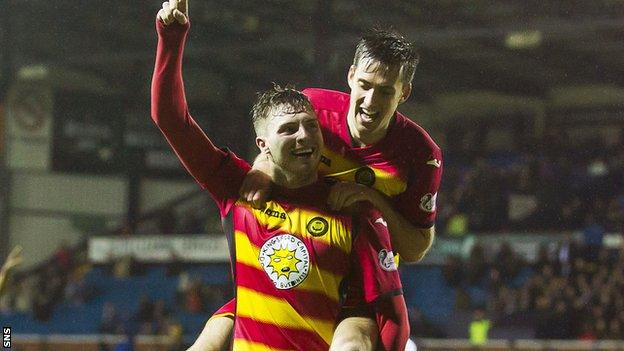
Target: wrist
column 174, row 29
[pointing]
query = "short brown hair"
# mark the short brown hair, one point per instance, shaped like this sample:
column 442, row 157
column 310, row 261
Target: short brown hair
column 391, row 49
column 289, row 98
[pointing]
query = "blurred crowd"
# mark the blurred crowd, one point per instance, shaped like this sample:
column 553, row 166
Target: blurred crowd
column 60, row 279
column 571, row 292
column 556, row 185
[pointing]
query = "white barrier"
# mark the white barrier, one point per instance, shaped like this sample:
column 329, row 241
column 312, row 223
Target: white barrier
column 160, row 248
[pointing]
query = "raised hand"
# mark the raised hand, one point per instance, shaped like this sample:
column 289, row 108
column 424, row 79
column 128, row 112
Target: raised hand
column 174, row 10
column 14, row 259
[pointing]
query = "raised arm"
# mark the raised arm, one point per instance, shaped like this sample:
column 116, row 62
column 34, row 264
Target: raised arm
column 15, row 258
column 205, row 162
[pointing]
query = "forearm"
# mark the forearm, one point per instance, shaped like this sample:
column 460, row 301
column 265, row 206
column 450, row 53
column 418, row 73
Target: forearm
column 215, row 336
column 169, row 107
column 355, row 334
column 411, row 242
column 393, row 322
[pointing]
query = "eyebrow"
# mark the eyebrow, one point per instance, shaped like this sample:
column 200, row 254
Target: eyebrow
column 362, row 80
column 287, row 123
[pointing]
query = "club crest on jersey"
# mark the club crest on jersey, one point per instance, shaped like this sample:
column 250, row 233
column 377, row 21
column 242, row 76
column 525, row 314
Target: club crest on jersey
column 386, row 260
column 317, row 226
column 365, row 176
column 428, row 202
column 285, row 260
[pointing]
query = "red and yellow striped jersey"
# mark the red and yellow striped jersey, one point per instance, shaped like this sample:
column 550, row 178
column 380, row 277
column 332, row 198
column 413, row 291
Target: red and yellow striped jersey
column 290, row 261
column 405, row 165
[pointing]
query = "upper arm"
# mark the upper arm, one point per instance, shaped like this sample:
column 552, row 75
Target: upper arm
column 374, row 271
column 219, row 171
column 417, row 203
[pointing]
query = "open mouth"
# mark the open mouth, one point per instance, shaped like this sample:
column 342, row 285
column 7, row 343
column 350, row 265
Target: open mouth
column 303, row 152
column 368, row 116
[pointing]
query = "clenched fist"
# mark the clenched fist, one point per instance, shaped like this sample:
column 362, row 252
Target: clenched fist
column 174, row 10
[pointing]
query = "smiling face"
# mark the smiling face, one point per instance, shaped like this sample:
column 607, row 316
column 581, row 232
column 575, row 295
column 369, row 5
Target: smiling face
column 380, row 79
column 376, row 92
column 292, row 141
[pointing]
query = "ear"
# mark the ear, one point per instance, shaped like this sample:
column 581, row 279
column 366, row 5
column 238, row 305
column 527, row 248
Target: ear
column 350, row 75
column 262, row 145
column 405, row 93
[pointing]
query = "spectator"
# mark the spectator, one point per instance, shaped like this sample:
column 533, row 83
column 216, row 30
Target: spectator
column 193, row 298
column 477, row 265
column 421, row 327
column 64, row 256
column 145, row 311
column 110, row 322
column 453, row 271
column 479, row 328
column 593, row 235
column 126, row 345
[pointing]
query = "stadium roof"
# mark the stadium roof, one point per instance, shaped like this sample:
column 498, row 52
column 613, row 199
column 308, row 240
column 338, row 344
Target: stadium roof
column 520, row 47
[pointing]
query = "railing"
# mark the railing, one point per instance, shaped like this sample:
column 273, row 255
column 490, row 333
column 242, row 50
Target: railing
column 519, row 345
column 32, row 342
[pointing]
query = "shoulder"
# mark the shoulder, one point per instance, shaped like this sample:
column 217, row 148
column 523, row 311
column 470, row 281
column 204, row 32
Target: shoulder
column 325, row 99
column 413, row 136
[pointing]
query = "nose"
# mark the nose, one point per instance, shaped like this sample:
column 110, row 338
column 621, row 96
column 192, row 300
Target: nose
column 303, row 135
column 370, row 97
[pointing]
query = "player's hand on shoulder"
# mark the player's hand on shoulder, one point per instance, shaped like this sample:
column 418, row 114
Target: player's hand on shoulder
column 345, row 194
column 173, row 11
column 256, row 188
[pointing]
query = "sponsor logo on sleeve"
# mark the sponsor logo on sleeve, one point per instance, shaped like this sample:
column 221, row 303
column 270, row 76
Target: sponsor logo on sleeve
column 386, row 260
column 428, row 202
column 381, row 221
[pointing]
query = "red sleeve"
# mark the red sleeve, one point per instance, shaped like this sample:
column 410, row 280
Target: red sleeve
column 375, row 282
column 393, row 322
column 218, row 171
column 375, row 275
column 418, row 202
column 227, row 310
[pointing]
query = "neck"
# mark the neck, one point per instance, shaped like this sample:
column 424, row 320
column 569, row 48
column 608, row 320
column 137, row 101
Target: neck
column 291, row 180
